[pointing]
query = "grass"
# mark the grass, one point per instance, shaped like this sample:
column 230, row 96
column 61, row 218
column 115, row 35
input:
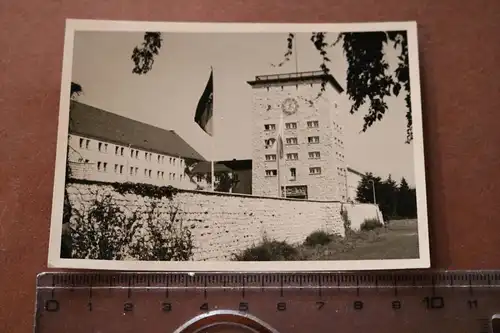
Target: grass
column 398, row 240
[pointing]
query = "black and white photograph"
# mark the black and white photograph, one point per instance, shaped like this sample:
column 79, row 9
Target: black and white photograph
column 241, row 147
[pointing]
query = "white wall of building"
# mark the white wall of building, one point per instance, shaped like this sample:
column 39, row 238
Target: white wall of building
column 353, row 179
column 104, row 161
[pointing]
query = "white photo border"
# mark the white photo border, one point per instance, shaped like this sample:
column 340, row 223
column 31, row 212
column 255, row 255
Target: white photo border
column 74, row 25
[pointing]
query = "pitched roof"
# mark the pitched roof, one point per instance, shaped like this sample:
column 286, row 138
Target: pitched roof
column 102, row 125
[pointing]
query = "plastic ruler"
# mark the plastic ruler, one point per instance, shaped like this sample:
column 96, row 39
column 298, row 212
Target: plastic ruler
column 402, row 301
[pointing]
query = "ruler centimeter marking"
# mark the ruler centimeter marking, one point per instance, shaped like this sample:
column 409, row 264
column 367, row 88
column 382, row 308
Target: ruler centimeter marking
column 470, row 298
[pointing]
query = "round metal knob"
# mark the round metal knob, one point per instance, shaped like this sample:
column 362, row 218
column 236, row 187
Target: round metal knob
column 225, row 321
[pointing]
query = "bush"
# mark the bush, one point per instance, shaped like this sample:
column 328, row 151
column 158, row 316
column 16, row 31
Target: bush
column 370, row 224
column 345, row 218
column 105, row 231
column 317, row 238
column 268, row 250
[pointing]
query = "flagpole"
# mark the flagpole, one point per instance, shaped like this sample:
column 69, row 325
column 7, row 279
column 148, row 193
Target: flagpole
column 212, row 167
column 278, row 173
column 296, row 55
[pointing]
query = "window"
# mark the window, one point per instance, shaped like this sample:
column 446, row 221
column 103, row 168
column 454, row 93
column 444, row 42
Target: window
column 163, row 159
column 313, row 139
column 313, row 124
column 292, row 156
column 157, row 174
column 271, row 157
column 121, row 169
column 100, row 146
column 269, row 127
column 81, row 143
column 105, row 166
column 105, row 147
column 121, row 151
column 291, row 125
column 173, row 176
column 87, row 144
column 131, row 152
column 314, row 155
column 173, row 161
column 271, row 173
column 149, row 174
column 291, row 141
column 87, row 161
column 116, row 168
column 99, row 166
column 269, row 142
column 117, row 150
column 293, row 173
column 315, row 171
column 159, row 158
column 136, row 170
column 199, row 178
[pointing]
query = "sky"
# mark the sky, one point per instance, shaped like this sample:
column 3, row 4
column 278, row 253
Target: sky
column 167, row 96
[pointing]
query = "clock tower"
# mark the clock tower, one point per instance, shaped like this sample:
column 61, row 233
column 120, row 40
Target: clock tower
column 307, row 107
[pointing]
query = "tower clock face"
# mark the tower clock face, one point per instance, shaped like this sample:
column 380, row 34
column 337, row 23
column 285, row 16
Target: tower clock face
column 290, row 105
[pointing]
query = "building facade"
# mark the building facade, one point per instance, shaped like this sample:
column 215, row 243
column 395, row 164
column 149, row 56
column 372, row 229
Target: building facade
column 234, row 176
column 313, row 165
column 353, row 179
column 103, row 146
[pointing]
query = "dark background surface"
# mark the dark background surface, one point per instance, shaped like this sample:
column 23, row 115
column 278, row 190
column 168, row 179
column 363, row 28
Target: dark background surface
column 459, row 59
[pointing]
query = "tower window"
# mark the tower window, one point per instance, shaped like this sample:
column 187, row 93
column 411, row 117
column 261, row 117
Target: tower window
column 81, row 143
column 292, row 156
column 291, row 125
column 271, row 157
column 315, row 171
column 271, row 173
column 313, row 124
column 269, row 142
column 313, row 139
column 293, row 173
column 291, row 141
column 269, row 127
column 314, row 155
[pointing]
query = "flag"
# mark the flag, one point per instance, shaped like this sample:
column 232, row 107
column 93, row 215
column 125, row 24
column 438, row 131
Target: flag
column 279, row 139
column 204, row 110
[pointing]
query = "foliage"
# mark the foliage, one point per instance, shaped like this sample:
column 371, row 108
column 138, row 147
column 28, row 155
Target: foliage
column 345, row 218
column 394, row 201
column 370, row 224
column 143, row 56
column 319, row 237
column 75, row 90
column 268, row 250
column 106, row 231
column 368, row 78
column 145, row 190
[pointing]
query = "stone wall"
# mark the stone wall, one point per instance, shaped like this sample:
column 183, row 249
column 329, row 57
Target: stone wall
column 359, row 212
column 223, row 223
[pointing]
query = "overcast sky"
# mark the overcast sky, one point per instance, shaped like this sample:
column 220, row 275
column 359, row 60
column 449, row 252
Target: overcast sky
column 167, row 96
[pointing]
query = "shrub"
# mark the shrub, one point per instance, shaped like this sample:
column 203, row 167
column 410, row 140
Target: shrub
column 268, row 250
column 345, row 218
column 317, row 238
column 370, row 224
column 105, row 231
